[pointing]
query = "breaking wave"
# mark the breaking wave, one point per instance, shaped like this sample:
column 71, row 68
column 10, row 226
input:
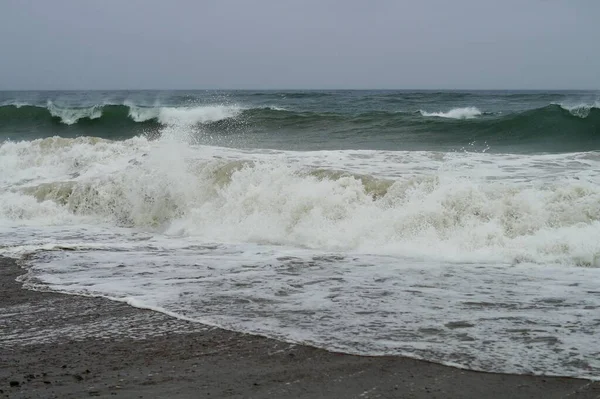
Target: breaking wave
column 186, row 191
column 486, row 261
column 455, row 113
column 553, row 128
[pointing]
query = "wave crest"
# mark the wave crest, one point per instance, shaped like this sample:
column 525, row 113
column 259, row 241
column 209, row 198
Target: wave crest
column 580, row 110
column 164, row 115
column 70, row 116
column 455, row 113
column 552, row 128
column 187, row 116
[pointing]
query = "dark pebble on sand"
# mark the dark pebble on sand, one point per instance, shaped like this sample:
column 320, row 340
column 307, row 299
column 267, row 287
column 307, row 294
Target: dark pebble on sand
column 14, row 383
column 47, row 382
column 77, row 377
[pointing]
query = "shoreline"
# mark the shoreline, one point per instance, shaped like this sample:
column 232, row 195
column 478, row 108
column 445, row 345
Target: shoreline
column 56, row 345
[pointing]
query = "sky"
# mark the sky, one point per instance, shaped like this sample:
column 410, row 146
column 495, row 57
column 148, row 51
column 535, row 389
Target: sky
column 303, row 44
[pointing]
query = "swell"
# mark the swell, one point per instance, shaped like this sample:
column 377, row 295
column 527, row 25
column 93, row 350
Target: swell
column 550, row 128
column 107, row 121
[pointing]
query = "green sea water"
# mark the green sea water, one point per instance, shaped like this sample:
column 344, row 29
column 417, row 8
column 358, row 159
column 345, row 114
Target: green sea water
column 498, row 121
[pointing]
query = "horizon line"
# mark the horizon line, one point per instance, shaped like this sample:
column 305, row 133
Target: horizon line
column 301, row 89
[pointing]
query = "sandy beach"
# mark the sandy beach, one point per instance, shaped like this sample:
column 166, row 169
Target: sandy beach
column 63, row 346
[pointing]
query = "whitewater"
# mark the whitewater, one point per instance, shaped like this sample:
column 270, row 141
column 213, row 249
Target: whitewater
column 481, row 260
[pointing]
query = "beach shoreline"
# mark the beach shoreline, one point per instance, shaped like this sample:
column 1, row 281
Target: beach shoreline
column 55, row 345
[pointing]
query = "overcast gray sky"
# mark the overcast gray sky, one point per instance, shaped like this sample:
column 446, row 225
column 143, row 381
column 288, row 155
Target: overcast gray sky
column 188, row 44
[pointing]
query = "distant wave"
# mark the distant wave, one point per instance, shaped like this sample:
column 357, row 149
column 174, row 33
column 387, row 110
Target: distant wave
column 201, row 114
column 551, row 128
column 295, row 94
column 69, row 116
column 204, row 114
column 581, row 110
column 455, row 113
column 163, row 115
column 184, row 116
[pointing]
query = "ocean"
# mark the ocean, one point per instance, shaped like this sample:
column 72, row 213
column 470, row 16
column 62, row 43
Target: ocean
column 459, row 227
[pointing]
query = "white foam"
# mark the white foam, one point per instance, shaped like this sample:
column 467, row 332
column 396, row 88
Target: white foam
column 455, row 113
column 372, row 252
column 276, row 108
column 16, row 104
column 524, row 319
column 142, row 114
column 185, row 116
column 523, row 213
column 581, row 110
column 70, row 116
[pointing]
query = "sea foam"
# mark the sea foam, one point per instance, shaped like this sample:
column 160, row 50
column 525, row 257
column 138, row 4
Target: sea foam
column 482, row 261
column 183, row 116
column 581, row 110
column 455, row 113
column 523, row 217
column 70, row 116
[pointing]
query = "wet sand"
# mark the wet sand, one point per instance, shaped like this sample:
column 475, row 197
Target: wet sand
column 63, row 346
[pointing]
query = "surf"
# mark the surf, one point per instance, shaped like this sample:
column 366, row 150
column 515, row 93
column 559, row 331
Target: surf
column 315, row 201
column 552, row 128
column 328, row 248
column 455, row 113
